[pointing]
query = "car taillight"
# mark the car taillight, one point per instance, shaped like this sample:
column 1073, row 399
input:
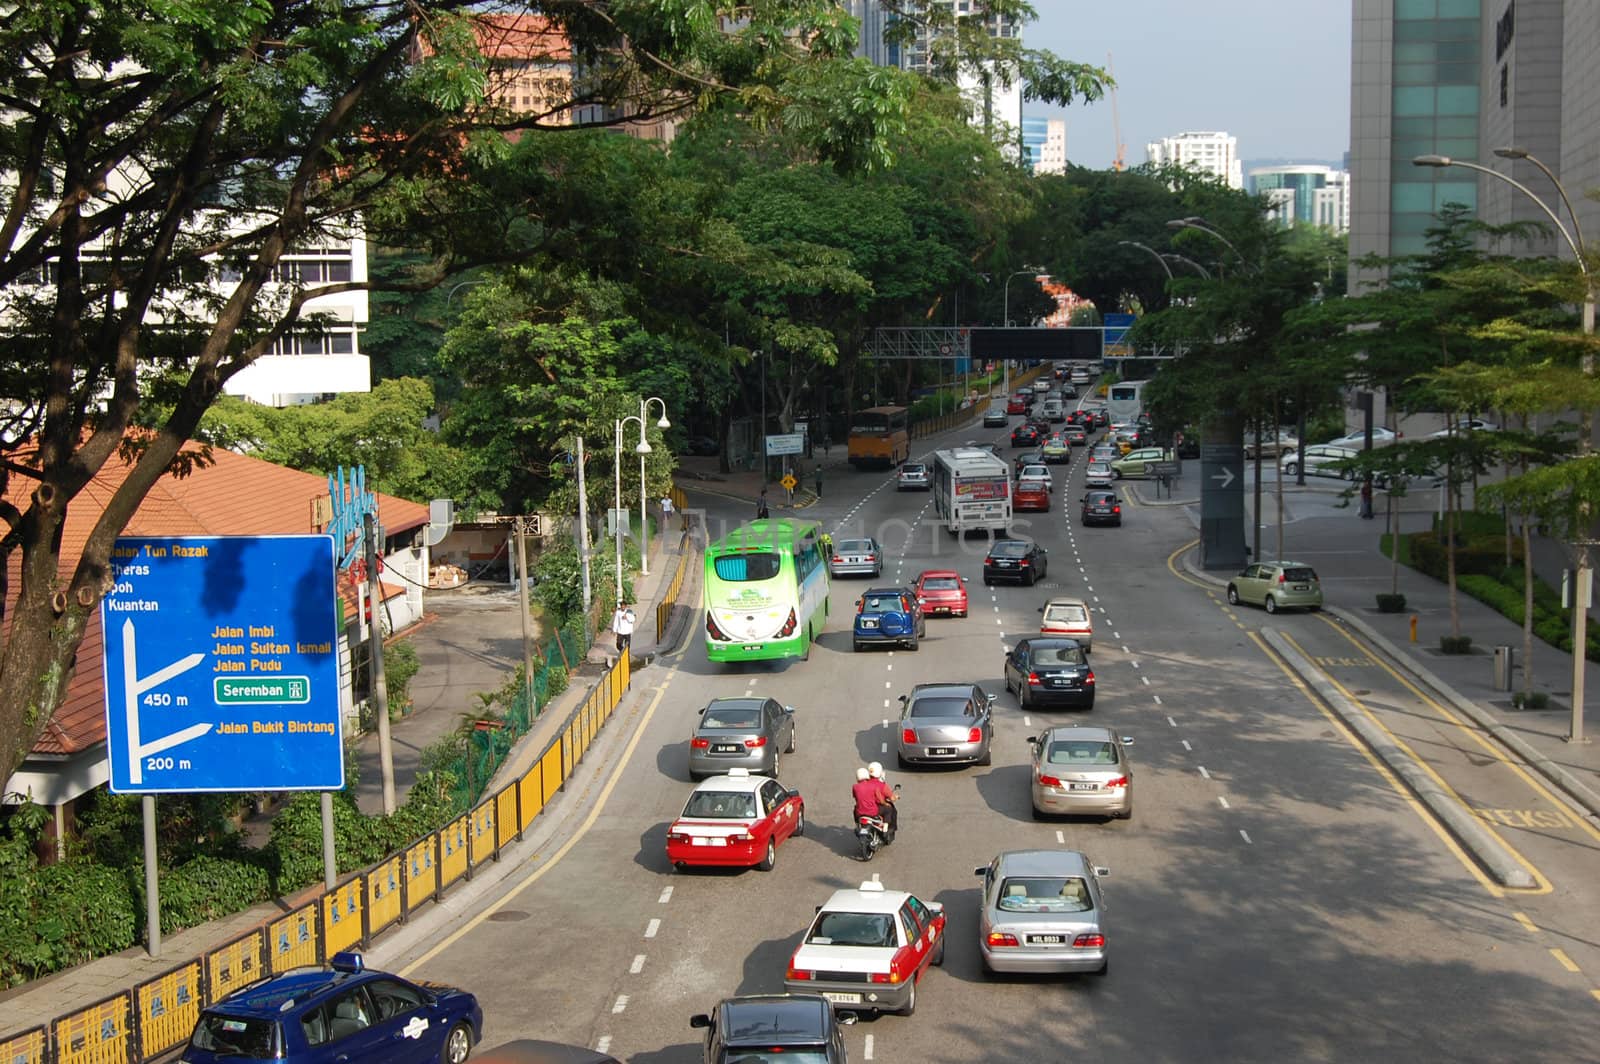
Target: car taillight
column 699, row 744
column 1001, row 938
column 1116, row 509
column 1280, row 578
column 1089, row 941
column 757, row 743
column 908, row 735
column 1089, row 678
column 789, row 625
column 677, row 836
column 975, row 735
column 872, row 557
column 1048, row 781
column 712, row 630
column 1024, row 562
column 1120, row 781
column 1033, row 679
column 838, row 559
column 799, row 975
column 741, row 836
column 882, row 977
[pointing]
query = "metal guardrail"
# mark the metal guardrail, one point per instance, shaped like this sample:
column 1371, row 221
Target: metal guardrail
column 147, row 1021
column 674, row 586
column 945, row 422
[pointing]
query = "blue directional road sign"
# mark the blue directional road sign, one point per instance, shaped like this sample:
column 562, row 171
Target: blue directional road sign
column 1115, row 328
column 222, row 664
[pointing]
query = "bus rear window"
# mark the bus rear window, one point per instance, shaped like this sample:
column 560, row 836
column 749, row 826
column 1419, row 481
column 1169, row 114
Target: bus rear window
column 741, row 567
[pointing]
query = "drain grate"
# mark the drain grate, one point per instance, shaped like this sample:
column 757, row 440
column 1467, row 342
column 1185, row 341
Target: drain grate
column 508, row 916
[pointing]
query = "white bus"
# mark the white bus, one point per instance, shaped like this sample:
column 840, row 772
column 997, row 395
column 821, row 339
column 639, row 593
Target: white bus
column 971, row 489
column 1125, row 401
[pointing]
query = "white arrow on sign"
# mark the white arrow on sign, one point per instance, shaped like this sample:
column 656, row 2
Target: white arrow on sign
column 1226, row 476
column 133, row 686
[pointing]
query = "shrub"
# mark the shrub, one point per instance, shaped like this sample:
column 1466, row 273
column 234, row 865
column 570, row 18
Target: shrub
column 1530, row 700
column 1482, row 554
column 210, row 887
column 400, row 665
column 1391, row 603
column 1455, row 644
column 63, row 914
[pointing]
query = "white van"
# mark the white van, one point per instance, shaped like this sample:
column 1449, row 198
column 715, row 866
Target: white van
column 1055, row 410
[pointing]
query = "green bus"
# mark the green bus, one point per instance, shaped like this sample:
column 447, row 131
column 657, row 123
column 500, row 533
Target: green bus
column 766, row 591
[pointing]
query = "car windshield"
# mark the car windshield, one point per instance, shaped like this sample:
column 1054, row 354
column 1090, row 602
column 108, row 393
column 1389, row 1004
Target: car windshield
column 720, row 805
column 1082, row 752
column 1066, row 613
column 853, row 929
column 1301, row 573
column 881, row 603
column 1044, row 894
column 1008, row 549
column 940, row 583
column 1058, row 655
column 854, row 546
column 940, row 706
column 234, row 1036
column 731, row 717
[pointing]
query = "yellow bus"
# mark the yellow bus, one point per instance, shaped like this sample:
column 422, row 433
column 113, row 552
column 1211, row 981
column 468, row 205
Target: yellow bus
column 880, row 436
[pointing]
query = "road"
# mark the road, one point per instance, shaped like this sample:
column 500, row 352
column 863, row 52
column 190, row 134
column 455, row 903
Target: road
column 1276, row 896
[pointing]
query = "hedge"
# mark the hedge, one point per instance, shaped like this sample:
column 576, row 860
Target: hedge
column 1485, row 555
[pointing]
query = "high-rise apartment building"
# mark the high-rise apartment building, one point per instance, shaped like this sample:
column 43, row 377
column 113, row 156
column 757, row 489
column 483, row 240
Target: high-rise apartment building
column 1215, row 153
column 1304, row 195
column 996, row 103
column 874, row 21
column 1044, row 144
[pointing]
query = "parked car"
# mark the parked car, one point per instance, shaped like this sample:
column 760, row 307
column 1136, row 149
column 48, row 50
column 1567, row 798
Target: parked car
column 1101, row 508
column 1050, row 671
column 941, row 591
column 744, row 733
column 1042, row 912
column 995, row 417
column 757, row 1027
column 913, row 476
column 1021, row 560
column 945, row 723
column 867, row 949
column 1030, row 496
column 1025, row 435
column 307, row 1015
column 1273, row 444
column 1274, row 585
column 1082, row 770
column 735, row 821
column 1069, row 618
column 1466, row 424
column 856, row 557
column 1381, row 437
column 1322, row 460
column 1137, row 462
column 889, row 615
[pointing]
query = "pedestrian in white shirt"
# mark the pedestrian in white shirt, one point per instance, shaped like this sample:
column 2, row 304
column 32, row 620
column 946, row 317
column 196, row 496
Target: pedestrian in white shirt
column 622, row 623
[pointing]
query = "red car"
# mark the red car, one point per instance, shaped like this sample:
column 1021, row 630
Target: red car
column 736, row 821
column 942, row 591
column 1017, row 404
column 1030, row 495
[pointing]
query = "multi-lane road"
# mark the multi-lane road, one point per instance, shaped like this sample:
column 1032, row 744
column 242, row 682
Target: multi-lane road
column 1277, row 895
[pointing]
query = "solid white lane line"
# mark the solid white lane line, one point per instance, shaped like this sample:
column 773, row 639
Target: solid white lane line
column 651, row 928
column 621, row 1005
column 1222, row 802
column 638, row 964
column 1245, row 835
column 1204, row 773
column 1186, row 745
column 666, row 896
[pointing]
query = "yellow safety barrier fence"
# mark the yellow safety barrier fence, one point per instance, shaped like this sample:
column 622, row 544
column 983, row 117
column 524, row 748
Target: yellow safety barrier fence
column 168, row 1006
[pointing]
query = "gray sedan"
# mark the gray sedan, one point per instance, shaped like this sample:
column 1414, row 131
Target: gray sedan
column 740, row 733
column 1082, row 770
column 1042, row 911
column 946, row 723
column 856, row 557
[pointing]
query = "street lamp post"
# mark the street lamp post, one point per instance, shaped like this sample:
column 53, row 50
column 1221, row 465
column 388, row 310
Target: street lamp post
column 1584, row 583
column 1147, row 249
column 1173, row 256
column 642, row 449
column 644, row 506
column 1005, row 313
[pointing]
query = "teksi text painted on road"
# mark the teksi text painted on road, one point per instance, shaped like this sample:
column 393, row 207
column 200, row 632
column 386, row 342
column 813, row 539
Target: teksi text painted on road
column 221, row 658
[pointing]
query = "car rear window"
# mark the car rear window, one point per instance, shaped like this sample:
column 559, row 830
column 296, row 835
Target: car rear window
column 853, row 929
column 235, row 1036
column 785, row 1054
column 720, row 805
column 731, row 717
column 1058, row 656
column 853, row 546
column 913, row 467
column 1081, row 752
column 941, row 583
column 1066, row 613
column 1044, row 894
column 882, row 604
column 1300, row 572
column 742, row 567
column 1008, row 549
column 939, row 707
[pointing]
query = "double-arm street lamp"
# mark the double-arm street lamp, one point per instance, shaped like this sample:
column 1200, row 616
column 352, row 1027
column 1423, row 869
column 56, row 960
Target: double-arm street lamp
column 642, row 449
column 644, row 496
column 1584, row 582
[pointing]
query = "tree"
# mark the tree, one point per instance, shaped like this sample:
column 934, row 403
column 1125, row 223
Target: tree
column 153, row 145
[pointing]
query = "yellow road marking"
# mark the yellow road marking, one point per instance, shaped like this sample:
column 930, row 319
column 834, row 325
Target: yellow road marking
column 538, row 873
column 1595, row 994
column 1400, row 789
column 1544, row 886
column 1565, row 961
column 1491, row 748
column 1185, row 577
column 1533, row 928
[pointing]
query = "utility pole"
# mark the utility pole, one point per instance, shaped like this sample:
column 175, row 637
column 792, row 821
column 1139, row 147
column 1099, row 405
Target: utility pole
column 520, row 526
column 583, row 533
column 379, row 694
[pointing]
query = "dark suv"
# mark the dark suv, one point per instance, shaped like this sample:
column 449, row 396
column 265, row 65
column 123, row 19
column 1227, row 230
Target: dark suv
column 772, row 1026
column 889, row 615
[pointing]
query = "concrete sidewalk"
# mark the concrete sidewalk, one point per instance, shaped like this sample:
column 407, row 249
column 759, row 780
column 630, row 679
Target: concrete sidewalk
column 480, row 643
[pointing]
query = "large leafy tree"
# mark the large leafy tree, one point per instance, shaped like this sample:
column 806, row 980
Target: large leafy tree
column 150, row 145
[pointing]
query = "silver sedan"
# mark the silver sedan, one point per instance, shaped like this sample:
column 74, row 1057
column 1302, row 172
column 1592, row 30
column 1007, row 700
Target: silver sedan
column 1042, row 911
column 746, row 733
column 946, row 723
column 856, row 557
column 1082, row 770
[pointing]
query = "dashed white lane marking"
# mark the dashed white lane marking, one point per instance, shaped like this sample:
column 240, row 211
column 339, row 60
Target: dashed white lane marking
column 1114, row 635
column 621, row 1005
column 885, row 705
column 603, row 1044
column 651, row 928
column 997, row 620
column 890, row 667
column 666, row 896
column 1061, row 837
column 875, row 877
column 638, row 964
column 1135, row 664
column 1186, row 745
column 1088, row 587
column 1245, row 835
column 866, row 1051
column 1204, row 773
column 1026, row 723
column 1145, row 680
column 886, row 719
column 885, row 749
column 1223, row 802
column 1157, row 698
column 1125, row 649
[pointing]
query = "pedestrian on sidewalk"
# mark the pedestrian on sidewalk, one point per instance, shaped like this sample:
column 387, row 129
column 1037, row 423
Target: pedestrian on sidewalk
column 827, row 444
column 762, row 512
column 816, row 477
column 622, row 623
column 666, row 511
column 1366, row 498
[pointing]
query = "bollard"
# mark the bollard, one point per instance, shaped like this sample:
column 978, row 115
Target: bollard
column 1413, row 628
column 1504, row 665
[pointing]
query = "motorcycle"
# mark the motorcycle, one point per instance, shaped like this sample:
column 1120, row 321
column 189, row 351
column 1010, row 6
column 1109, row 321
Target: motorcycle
column 873, row 832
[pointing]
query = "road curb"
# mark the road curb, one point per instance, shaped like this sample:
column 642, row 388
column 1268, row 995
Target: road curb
column 1187, row 561
column 1574, row 788
column 1495, row 858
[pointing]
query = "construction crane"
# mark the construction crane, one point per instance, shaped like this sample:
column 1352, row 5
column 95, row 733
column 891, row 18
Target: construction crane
column 1120, row 163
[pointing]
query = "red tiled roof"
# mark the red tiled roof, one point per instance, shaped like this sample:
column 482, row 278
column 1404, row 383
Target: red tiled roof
column 234, row 496
column 503, row 36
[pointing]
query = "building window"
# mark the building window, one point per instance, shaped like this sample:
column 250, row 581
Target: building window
column 1505, row 79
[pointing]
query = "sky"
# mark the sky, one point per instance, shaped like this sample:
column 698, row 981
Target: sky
column 1273, row 73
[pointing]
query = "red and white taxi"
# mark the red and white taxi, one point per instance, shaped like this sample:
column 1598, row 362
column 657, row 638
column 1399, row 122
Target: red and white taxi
column 942, row 591
column 736, row 821
column 868, row 948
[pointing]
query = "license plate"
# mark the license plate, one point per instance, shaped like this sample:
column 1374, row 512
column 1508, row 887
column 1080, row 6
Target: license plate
column 725, row 748
column 751, row 646
column 1302, row 587
column 936, row 751
column 1047, row 940
column 869, row 624
column 842, row 999
column 710, row 842
column 1083, row 786
column 1058, row 681
column 1005, row 565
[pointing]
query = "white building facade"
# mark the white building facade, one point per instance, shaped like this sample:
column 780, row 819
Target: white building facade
column 1215, row 153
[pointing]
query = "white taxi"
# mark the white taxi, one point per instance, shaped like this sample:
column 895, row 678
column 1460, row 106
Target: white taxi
column 867, row 949
column 737, row 821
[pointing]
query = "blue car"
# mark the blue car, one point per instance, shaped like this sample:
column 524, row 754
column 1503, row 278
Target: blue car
column 343, row 1013
column 889, row 615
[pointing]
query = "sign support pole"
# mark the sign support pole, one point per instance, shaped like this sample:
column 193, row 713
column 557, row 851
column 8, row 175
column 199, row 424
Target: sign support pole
column 379, row 693
column 524, row 586
column 330, row 863
column 583, row 533
column 152, row 890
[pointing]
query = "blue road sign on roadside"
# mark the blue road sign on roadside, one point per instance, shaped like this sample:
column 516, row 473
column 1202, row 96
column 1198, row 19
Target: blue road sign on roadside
column 221, row 657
